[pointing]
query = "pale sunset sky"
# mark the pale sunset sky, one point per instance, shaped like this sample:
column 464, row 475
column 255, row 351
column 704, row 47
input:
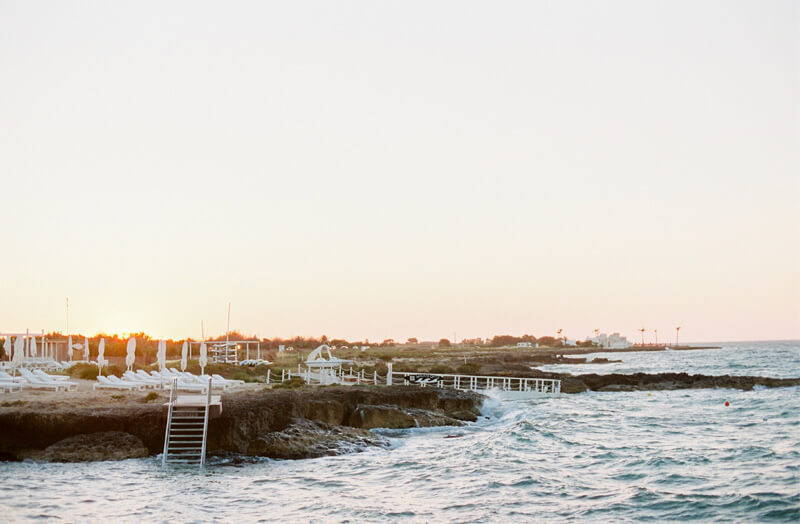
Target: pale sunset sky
column 401, row 169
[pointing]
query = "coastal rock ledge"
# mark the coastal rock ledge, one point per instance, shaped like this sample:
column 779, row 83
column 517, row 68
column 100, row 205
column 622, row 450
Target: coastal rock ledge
column 280, row 424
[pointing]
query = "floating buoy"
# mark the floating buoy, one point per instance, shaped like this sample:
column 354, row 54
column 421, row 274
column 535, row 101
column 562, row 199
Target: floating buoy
column 649, row 394
column 727, row 403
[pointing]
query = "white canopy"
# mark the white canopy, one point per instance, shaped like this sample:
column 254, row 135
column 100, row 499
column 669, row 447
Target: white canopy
column 69, row 348
column 19, row 350
column 101, row 348
column 32, row 348
column 203, row 355
column 184, row 355
column 162, row 354
column 86, row 349
column 7, row 347
column 130, row 356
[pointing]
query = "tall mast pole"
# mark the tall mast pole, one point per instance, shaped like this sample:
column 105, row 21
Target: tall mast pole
column 227, row 334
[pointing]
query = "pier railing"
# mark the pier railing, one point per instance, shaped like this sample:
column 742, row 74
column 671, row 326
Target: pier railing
column 544, row 386
column 481, row 383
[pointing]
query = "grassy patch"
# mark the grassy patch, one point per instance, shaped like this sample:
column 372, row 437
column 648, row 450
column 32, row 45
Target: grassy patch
column 293, row 383
column 470, row 368
column 151, row 396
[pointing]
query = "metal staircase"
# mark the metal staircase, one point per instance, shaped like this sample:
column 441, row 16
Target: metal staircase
column 187, row 427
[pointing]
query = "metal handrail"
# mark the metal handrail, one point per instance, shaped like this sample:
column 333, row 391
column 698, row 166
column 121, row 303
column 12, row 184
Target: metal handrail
column 484, row 382
column 169, row 420
column 205, row 426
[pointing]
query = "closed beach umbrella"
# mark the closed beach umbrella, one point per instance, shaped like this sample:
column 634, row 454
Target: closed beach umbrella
column 19, row 350
column 101, row 349
column 130, row 357
column 7, row 347
column 162, row 354
column 184, row 355
column 203, row 360
column 69, row 348
column 86, row 349
column 32, row 348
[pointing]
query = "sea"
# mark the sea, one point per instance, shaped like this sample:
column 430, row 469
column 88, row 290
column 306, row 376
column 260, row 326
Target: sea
column 660, row 456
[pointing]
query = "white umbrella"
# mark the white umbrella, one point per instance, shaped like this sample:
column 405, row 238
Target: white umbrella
column 69, row 348
column 86, row 349
column 130, row 358
column 101, row 349
column 184, row 355
column 162, row 354
column 7, row 347
column 32, row 347
column 203, row 360
column 19, row 349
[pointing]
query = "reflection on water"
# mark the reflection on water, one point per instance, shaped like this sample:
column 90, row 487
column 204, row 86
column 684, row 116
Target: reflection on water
column 666, row 455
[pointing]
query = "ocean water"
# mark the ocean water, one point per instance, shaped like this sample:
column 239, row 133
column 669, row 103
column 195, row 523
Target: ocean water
column 661, row 456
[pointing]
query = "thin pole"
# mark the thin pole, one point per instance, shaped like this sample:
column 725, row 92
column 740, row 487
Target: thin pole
column 227, row 334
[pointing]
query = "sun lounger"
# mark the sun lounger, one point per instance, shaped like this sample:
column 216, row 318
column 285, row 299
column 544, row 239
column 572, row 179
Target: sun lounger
column 105, row 383
column 8, row 387
column 41, row 374
column 5, row 377
column 116, row 380
column 40, row 383
column 230, row 381
column 149, row 382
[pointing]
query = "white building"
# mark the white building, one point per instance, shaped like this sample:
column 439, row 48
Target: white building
column 612, row 341
column 524, row 345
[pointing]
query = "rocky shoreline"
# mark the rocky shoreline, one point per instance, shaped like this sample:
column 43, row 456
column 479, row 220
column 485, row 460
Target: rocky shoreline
column 662, row 381
column 280, row 424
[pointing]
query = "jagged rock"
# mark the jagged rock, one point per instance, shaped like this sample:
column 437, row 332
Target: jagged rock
column 106, row 445
column 251, row 422
column 328, row 411
column 307, row 439
column 369, row 417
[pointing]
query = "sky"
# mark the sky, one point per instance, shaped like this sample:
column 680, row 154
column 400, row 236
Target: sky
column 401, row 169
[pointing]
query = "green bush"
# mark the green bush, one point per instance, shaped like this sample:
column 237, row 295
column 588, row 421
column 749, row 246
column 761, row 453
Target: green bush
column 115, row 370
column 441, row 368
column 470, row 368
column 151, row 396
column 84, row 371
column 89, row 373
column 294, row 382
column 242, row 375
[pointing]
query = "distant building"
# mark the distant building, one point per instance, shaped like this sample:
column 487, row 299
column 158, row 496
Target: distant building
column 524, row 345
column 612, row 341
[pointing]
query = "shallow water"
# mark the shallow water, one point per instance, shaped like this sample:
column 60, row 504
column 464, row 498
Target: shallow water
column 633, row 456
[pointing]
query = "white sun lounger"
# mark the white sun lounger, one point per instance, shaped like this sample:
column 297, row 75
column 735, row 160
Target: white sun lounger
column 5, row 377
column 116, row 380
column 231, row 381
column 183, row 384
column 40, row 383
column 44, row 376
column 149, row 382
column 8, row 387
column 104, row 383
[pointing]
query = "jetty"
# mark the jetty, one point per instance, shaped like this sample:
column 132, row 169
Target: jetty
column 324, row 371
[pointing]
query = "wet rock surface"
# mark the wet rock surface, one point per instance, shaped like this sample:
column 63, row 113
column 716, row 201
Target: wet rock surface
column 665, row 381
column 107, row 445
column 299, row 423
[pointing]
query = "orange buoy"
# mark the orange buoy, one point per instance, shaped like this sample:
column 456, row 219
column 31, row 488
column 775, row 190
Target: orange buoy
column 727, row 403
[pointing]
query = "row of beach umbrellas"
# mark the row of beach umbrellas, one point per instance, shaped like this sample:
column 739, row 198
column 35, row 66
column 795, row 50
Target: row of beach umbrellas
column 130, row 357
